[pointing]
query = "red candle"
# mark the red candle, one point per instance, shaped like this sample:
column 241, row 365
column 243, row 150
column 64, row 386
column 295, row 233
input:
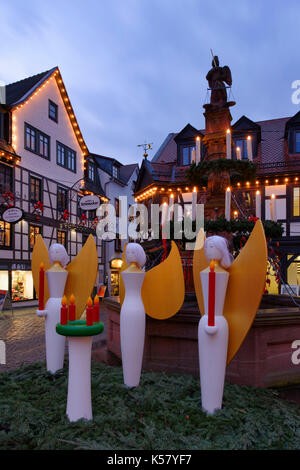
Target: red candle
column 72, row 309
column 96, row 309
column 211, row 294
column 41, row 287
column 89, row 312
column 64, row 311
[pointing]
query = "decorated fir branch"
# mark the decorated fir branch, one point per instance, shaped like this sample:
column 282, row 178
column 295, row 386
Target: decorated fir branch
column 239, row 170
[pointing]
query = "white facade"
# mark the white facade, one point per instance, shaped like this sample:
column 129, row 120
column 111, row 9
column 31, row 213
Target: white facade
column 114, row 189
column 49, row 178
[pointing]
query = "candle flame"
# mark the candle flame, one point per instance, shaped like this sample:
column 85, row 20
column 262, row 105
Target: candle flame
column 212, row 265
column 273, row 196
column 249, row 137
column 195, row 189
column 228, row 131
column 257, row 192
column 72, row 299
column 64, row 301
column 96, row 299
column 42, row 266
column 197, row 138
column 228, row 189
column 89, row 302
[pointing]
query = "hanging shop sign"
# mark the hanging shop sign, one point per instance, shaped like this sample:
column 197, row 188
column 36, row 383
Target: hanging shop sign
column 12, row 215
column 89, row 203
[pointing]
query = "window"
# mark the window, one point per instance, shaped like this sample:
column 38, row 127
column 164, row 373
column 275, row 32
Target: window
column 37, row 142
column 296, row 202
column 186, row 156
column 118, row 243
column 117, row 207
column 53, row 111
column 91, row 171
column 62, row 199
column 6, row 180
column 5, row 234
column 35, row 189
column 65, row 157
column 34, row 231
column 62, row 238
column 115, row 171
column 85, row 236
column 242, row 144
column 297, row 142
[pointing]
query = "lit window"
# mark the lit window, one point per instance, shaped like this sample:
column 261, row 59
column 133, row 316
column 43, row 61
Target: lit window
column 187, row 155
column 5, row 234
column 62, row 199
column 242, row 144
column 62, row 238
column 296, row 202
column 35, row 189
column 34, row 231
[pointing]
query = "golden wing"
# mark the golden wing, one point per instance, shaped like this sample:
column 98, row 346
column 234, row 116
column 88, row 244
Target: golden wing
column 82, row 275
column 40, row 254
column 199, row 263
column 245, row 286
column 163, row 287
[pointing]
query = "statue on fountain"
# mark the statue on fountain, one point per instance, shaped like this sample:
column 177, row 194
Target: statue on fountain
column 217, row 77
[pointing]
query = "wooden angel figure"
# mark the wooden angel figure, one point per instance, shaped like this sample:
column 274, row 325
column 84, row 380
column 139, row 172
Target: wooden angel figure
column 145, row 292
column 228, row 294
column 77, row 278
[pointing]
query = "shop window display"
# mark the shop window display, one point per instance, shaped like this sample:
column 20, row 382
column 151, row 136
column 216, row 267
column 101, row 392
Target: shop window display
column 22, row 285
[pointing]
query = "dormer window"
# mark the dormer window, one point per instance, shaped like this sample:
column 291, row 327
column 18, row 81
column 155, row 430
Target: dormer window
column 187, row 154
column 91, row 171
column 115, row 171
column 242, row 145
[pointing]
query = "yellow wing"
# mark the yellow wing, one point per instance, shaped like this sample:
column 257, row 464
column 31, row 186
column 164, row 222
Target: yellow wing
column 245, row 286
column 82, row 275
column 40, row 254
column 163, row 287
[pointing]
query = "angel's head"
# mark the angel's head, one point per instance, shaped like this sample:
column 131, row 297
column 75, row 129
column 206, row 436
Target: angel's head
column 134, row 253
column 58, row 254
column 216, row 248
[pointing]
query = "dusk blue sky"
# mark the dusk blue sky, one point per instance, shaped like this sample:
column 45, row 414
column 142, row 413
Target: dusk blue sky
column 135, row 69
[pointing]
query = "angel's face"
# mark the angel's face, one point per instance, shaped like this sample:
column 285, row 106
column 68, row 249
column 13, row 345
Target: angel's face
column 58, row 254
column 211, row 250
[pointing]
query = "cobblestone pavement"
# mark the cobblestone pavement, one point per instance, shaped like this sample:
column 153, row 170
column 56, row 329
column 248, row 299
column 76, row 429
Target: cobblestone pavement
column 24, row 337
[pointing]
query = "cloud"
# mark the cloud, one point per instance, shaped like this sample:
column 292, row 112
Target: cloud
column 136, row 70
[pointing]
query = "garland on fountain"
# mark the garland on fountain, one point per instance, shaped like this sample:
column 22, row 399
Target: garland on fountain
column 239, row 171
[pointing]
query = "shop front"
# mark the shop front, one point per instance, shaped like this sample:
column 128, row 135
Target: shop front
column 115, row 269
column 16, row 278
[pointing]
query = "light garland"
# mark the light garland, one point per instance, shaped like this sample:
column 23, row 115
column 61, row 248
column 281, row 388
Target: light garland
column 57, row 76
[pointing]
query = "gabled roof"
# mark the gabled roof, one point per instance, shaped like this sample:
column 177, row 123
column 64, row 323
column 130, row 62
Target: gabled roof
column 18, row 91
column 245, row 124
column 107, row 163
column 18, row 94
column 188, row 132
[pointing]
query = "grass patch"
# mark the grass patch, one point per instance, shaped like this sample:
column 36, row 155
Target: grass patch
column 164, row 412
